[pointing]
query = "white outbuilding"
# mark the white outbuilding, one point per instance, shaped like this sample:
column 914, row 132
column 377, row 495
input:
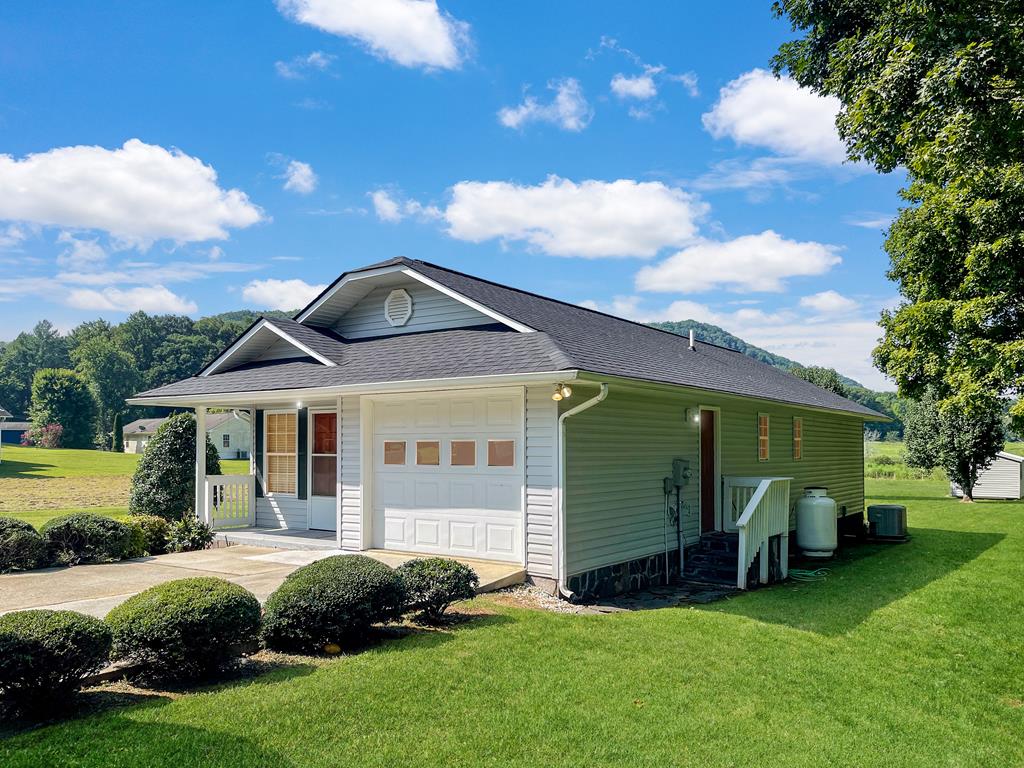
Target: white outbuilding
column 1003, row 479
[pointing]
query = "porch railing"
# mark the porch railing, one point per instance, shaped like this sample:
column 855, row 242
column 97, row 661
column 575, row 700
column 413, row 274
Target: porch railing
column 230, row 501
column 758, row 507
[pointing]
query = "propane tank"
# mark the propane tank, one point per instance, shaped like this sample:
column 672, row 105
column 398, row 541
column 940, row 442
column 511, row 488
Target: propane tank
column 816, row 523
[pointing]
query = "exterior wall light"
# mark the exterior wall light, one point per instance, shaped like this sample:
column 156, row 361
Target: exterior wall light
column 562, row 392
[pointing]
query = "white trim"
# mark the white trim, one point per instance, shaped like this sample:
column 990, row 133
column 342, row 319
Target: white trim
column 792, row 447
column 397, row 321
column 412, row 273
column 263, row 323
column 768, row 437
column 310, row 423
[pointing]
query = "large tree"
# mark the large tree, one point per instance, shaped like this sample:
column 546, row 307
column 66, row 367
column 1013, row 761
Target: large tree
column 61, row 396
column 44, row 347
column 826, row 378
column 936, row 88
column 111, row 374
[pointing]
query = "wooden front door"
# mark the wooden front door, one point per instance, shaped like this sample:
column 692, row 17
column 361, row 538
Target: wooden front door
column 708, row 471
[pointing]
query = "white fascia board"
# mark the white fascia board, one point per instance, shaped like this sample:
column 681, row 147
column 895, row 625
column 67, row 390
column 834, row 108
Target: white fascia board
column 245, row 399
column 263, row 323
column 370, row 273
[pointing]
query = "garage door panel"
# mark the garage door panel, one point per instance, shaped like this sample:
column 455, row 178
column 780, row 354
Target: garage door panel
column 463, row 412
column 503, row 495
column 501, row 539
column 428, row 533
column 501, row 412
column 427, row 494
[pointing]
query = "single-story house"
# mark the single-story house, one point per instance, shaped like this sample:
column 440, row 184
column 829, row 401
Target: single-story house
column 4, row 416
column 1003, row 479
column 230, row 432
column 411, row 407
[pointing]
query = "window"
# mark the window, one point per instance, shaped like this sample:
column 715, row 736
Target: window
column 281, row 464
column 798, row 438
column 762, row 437
column 463, row 453
column 501, row 453
column 394, row 452
column 226, row 440
column 428, row 453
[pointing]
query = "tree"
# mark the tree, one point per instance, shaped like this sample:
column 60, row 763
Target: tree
column 962, row 444
column 164, row 483
column 179, row 357
column 61, row 396
column 826, row 378
column 117, row 435
column 111, row 374
column 42, row 348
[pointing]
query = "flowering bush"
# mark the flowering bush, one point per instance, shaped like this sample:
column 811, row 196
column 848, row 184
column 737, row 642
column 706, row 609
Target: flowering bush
column 48, row 436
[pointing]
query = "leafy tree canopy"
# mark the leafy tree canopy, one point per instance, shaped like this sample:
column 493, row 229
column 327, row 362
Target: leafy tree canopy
column 61, row 396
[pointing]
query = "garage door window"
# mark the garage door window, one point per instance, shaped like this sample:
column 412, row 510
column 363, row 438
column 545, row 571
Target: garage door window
column 394, row 452
column 281, row 452
column 428, row 453
column 463, row 453
column 501, row 453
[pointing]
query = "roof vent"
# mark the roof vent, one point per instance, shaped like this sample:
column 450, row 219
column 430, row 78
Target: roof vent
column 398, row 307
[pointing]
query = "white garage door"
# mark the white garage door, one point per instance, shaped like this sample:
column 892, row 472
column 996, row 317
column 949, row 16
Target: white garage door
column 448, row 474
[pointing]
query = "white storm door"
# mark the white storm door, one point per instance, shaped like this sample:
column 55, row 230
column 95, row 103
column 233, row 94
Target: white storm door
column 323, row 462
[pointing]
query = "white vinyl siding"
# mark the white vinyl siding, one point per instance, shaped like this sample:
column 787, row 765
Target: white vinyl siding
column 541, row 458
column 281, row 512
column 1002, row 480
column 431, row 311
column 280, row 350
column 351, row 483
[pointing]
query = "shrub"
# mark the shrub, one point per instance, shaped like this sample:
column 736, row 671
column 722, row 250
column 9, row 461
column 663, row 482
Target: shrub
column 86, row 538
column 885, row 460
column 332, row 601
column 155, row 531
column 185, row 629
column 46, row 436
column 136, row 541
column 189, row 534
column 45, row 654
column 164, row 483
column 434, row 583
column 23, row 550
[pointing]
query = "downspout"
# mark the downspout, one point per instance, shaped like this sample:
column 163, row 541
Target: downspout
column 563, row 590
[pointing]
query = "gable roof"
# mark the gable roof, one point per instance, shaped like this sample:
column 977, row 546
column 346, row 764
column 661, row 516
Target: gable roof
column 560, row 337
column 4, row 414
column 149, row 426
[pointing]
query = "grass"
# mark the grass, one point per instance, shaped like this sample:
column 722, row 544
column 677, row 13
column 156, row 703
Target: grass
column 37, row 483
column 905, row 655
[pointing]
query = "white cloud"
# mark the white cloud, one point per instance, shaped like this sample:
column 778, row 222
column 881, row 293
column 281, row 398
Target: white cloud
column 391, row 209
column 870, row 220
column 80, row 254
column 828, row 302
column 759, row 262
column 11, row 237
column 592, row 219
column 296, row 68
column 761, row 172
column 300, row 178
column 569, row 110
column 688, row 80
column 284, row 295
column 640, row 87
column 137, row 193
column 154, row 299
column 412, row 33
column 757, row 109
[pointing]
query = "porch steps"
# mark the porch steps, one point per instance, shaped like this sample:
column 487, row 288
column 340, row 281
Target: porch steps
column 713, row 559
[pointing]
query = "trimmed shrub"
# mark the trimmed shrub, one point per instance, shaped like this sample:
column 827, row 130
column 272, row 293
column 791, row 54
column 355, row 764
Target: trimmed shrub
column 164, row 483
column 136, row 541
column 86, row 538
column 22, row 550
column 434, row 583
column 189, row 534
column 332, row 601
column 155, row 531
column 45, row 654
column 185, row 629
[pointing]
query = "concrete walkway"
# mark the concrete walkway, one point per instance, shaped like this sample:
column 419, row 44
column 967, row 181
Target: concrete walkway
column 95, row 589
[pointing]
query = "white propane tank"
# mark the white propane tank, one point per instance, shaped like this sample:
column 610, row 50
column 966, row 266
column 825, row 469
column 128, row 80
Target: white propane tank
column 816, row 523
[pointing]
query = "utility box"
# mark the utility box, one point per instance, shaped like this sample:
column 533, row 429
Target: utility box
column 887, row 521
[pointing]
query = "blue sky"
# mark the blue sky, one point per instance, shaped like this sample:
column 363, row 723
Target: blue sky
column 202, row 157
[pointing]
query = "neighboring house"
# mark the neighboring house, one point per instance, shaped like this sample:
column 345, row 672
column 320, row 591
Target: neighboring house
column 413, row 408
column 1004, row 479
column 11, row 431
column 230, row 433
column 4, row 416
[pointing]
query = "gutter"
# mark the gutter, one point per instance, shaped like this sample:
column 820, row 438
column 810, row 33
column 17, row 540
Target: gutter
column 563, row 590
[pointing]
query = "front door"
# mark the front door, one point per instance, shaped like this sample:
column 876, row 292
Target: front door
column 708, row 471
column 323, row 460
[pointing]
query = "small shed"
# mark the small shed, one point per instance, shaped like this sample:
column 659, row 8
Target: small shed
column 1004, row 479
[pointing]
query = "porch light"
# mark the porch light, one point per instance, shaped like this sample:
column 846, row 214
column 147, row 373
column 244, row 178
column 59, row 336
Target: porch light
column 298, row 404
column 566, row 391
column 562, row 392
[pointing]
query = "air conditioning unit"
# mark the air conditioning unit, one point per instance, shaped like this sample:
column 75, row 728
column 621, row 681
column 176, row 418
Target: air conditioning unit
column 887, row 521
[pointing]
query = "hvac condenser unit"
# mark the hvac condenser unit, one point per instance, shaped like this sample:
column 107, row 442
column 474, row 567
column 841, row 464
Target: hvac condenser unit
column 887, row 521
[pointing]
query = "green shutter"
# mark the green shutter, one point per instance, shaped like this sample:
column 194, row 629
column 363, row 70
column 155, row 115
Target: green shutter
column 257, row 434
column 303, row 451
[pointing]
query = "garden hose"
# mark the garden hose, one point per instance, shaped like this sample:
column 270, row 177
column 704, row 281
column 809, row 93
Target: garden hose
column 799, row 574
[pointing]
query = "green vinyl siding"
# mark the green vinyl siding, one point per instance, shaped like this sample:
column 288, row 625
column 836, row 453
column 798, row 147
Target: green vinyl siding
column 618, row 452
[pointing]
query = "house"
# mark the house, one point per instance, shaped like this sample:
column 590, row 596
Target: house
column 415, row 408
column 11, row 431
column 229, row 432
column 4, row 416
column 1003, row 479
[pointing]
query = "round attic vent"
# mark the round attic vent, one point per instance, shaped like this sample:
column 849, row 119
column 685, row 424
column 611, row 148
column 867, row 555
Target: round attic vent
column 398, row 307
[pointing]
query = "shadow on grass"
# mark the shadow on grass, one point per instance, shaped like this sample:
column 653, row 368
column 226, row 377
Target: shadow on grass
column 14, row 468
column 862, row 580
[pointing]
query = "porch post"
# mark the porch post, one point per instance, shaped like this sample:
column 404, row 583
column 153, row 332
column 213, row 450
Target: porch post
column 202, row 503
column 337, row 469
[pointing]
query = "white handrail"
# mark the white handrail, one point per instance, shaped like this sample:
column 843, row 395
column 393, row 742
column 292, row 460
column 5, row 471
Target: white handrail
column 765, row 514
column 230, row 501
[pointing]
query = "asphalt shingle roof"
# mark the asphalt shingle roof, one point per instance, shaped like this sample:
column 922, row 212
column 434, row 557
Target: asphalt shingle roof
column 568, row 337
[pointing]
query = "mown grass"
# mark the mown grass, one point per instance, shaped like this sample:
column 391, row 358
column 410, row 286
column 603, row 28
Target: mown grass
column 905, row 655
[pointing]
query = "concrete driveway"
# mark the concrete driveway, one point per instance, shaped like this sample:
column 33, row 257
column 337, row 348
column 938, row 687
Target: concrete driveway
column 95, row 589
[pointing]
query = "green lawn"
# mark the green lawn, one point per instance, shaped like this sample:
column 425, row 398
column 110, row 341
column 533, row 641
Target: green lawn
column 905, row 655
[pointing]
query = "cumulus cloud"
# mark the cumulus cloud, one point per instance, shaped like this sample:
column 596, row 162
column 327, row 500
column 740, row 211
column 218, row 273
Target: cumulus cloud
column 299, row 178
column 828, row 302
column 11, row 237
column 639, row 87
column 759, row 262
column 284, row 295
column 591, row 219
column 411, row 33
column 80, row 254
column 298, row 67
column 154, row 299
column 760, row 110
column 569, row 109
column 391, row 208
column 138, row 193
